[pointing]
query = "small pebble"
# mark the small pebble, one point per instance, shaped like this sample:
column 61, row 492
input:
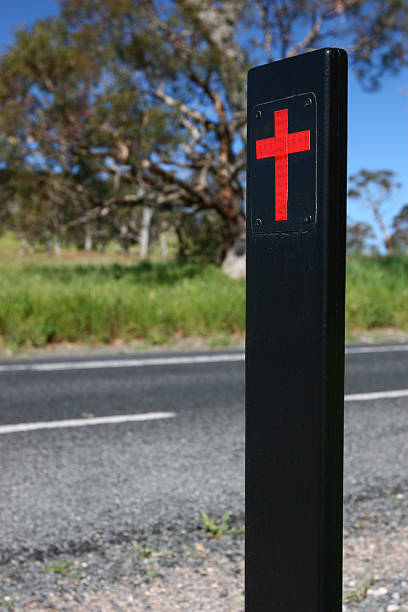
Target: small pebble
column 377, row 593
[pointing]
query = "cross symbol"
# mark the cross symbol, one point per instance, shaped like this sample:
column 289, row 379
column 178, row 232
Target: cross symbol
column 279, row 147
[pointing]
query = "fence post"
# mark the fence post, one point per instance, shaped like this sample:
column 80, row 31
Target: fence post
column 296, row 226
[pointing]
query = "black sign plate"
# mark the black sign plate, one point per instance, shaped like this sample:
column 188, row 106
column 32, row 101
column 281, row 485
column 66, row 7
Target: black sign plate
column 283, row 165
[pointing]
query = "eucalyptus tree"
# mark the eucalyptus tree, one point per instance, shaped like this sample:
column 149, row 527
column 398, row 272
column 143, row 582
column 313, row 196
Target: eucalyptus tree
column 373, row 189
column 142, row 102
column 399, row 236
column 358, row 235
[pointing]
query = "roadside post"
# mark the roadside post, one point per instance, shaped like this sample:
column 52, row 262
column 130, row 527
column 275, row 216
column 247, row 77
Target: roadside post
column 296, row 229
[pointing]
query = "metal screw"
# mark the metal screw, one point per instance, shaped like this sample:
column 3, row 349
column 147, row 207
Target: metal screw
column 308, row 219
column 308, row 103
column 258, row 223
column 258, row 114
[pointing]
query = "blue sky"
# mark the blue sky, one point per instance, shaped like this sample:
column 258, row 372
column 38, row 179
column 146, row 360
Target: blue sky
column 378, row 122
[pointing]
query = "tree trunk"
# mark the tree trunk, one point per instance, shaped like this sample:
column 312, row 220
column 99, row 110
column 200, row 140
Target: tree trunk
column 26, row 247
column 124, row 238
column 145, row 231
column 181, row 242
column 386, row 236
column 57, row 246
column 163, row 245
column 54, row 245
column 234, row 247
column 88, row 243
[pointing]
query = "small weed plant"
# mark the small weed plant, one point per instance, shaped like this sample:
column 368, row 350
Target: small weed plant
column 360, row 592
column 144, row 550
column 62, row 568
column 220, row 528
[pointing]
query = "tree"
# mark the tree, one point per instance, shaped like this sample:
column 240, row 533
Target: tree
column 399, row 236
column 148, row 97
column 357, row 236
column 374, row 189
column 199, row 235
column 45, row 85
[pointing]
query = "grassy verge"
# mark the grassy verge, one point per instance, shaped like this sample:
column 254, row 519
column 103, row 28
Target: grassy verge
column 41, row 303
column 377, row 292
column 45, row 301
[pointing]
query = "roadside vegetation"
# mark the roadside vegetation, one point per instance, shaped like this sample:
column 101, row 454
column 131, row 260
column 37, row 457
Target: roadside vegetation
column 63, row 301
column 377, row 292
column 105, row 299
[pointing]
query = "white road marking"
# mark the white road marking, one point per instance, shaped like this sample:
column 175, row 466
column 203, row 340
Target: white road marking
column 154, row 416
column 358, row 397
column 395, row 348
column 108, row 420
column 163, row 361
column 120, row 363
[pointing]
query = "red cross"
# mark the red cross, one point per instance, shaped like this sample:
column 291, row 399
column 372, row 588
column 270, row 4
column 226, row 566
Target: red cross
column 279, row 147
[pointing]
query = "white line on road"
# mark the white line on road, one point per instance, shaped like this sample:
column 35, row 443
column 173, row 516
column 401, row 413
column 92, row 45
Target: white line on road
column 154, row 416
column 123, row 418
column 180, row 360
column 395, row 348
column 121, row 363
column 164, row 361
column 358, row 397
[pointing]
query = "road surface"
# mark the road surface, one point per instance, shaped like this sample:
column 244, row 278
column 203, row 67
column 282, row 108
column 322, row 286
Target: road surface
column 69, row 486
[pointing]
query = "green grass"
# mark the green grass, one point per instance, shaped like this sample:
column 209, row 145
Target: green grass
column 217, row 529
column 62, row 568
column 47, row 300
column 377, row 292
column 360, row 592
column 57, row 301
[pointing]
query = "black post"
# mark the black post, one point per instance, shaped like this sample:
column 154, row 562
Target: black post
column 296, row 224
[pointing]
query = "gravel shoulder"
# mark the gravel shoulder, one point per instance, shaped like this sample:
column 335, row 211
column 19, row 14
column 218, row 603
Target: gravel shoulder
column 187, row 569
column 166, row 570
column 375, row 557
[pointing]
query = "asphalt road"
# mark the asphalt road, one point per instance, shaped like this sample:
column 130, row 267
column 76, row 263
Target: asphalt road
column 66, row 488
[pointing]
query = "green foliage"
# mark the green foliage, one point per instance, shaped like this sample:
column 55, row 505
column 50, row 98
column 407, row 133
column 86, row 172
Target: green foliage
column 358, row 234
column 43, row 302
column 400, row 234
column 58, row 302
column 144, row 550
column 200, row 237
column 215, row 529
column 360, row 592
column 373, row 188
column 121, row 103
column 62, row 568
column 377, row 292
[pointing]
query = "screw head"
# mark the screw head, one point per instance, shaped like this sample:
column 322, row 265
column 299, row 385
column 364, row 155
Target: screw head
column 258, row 223
column 258, row 114
column 308, row 103
column 308, row 219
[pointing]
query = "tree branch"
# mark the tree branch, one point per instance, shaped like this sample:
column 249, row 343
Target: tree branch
column 308, row 39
